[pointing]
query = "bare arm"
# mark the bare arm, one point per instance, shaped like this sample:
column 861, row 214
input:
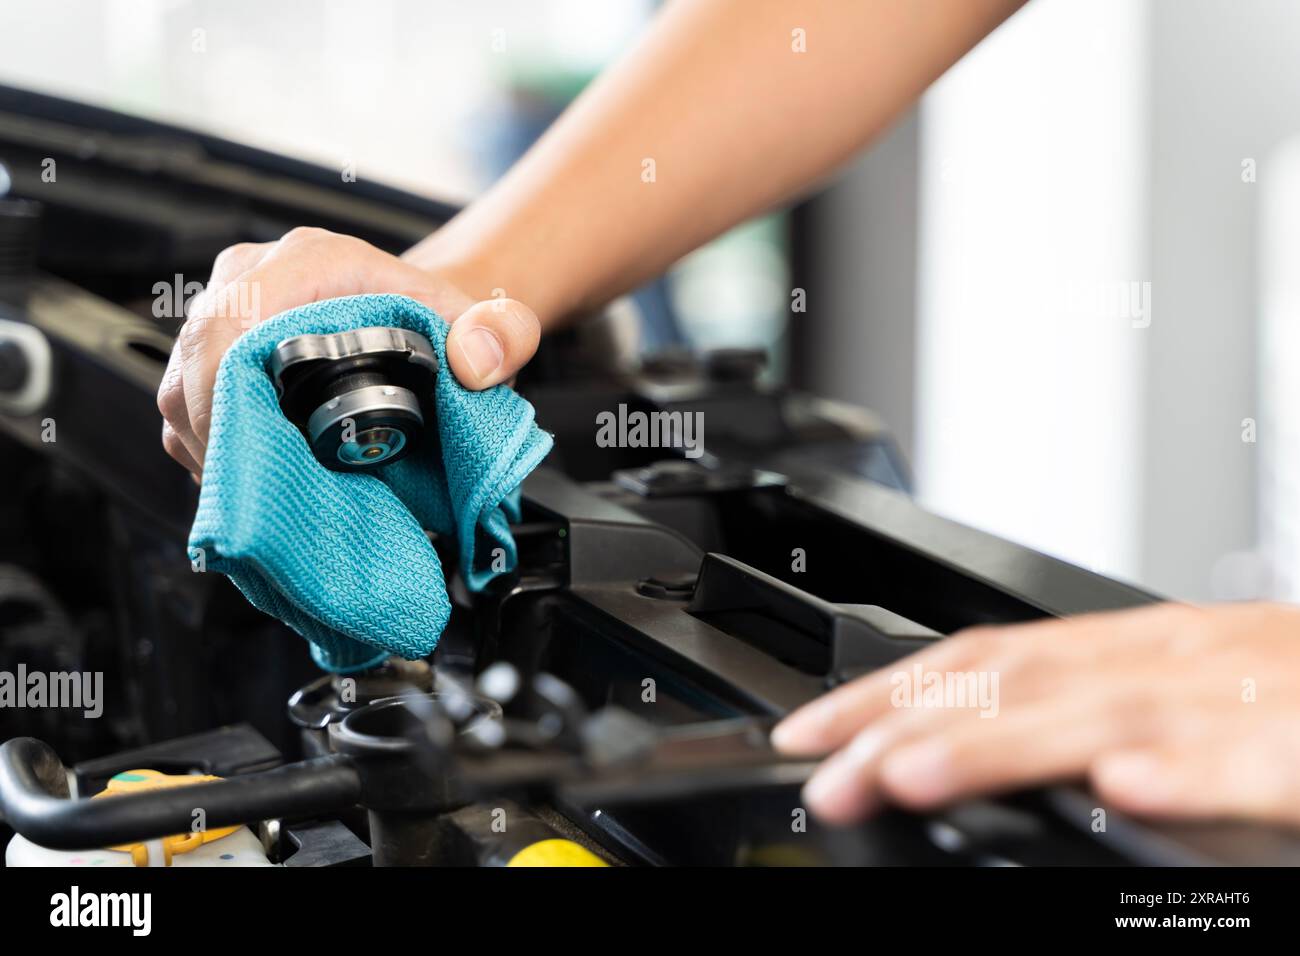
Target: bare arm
column 739, row 104
column 735, row 120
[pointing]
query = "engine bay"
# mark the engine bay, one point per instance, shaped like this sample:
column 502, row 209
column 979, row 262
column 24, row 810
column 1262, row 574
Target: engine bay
column 607, row 703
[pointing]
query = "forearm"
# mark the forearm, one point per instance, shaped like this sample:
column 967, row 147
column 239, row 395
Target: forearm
column 734, row 121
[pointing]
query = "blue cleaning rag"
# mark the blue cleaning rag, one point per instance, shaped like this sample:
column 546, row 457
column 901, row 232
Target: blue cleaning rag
column 342, row 558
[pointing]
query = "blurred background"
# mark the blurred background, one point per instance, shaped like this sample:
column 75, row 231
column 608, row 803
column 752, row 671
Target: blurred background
column 1068, row 280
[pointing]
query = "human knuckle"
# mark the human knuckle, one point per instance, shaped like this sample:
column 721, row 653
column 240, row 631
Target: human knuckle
column 172, row 444
column 230, row 257
column 308, row 235
column 166, row 400
column 170, row 391
column 197, row 323
column 523, row 321
column 981, row 643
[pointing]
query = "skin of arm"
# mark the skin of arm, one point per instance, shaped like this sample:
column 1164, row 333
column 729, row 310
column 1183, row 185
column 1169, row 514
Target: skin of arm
column 735, row 120
column 716, row 93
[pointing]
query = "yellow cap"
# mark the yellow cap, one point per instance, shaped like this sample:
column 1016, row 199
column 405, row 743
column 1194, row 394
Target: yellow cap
column 555, row 852
column 135, row 781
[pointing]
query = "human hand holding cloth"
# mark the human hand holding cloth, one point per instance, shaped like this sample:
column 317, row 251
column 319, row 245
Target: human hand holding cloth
column 343, row 558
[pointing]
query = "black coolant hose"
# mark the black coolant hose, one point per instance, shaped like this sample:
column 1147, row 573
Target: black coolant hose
column 34, row 799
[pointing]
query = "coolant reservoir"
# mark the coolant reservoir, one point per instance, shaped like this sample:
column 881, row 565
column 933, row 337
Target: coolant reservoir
column 223, row 846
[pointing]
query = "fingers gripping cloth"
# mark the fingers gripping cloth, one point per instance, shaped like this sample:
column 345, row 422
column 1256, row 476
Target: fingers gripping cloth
column 342, row 558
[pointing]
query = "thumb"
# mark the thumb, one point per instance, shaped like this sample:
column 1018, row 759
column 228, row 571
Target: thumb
column 491, row 341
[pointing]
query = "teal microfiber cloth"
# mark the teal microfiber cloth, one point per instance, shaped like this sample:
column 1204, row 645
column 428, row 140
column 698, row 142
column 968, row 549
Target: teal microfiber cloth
column 342, row 558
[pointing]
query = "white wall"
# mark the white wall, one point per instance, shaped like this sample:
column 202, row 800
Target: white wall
column 1276, row 567
column 1085, row 144
column 1225, row 87
column 1033, row 229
